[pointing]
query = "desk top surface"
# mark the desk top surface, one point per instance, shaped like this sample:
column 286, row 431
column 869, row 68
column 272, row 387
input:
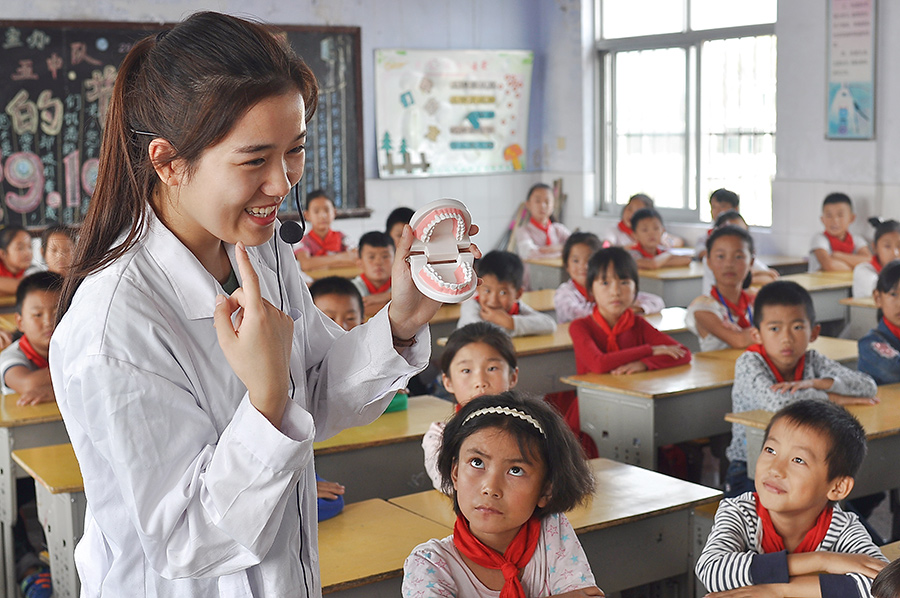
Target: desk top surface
column 699, row 375
column 8, row 323
column 822, row 281
column 839, row 349
column 54, row 466
column 622, row 493
column 550, row 262
column 859, row 302
column 891, row 551
column 778, row 261
column 693, row 270
column 879, row 420
column 390, row 428
column 12, row 415
column 369, row 541
column 670, row 320
column 343, row 272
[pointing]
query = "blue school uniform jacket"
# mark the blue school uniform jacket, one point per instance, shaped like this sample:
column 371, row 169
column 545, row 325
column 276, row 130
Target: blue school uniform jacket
column 879, row 355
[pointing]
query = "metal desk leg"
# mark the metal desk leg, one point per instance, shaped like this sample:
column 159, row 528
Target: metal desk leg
column 62, row 517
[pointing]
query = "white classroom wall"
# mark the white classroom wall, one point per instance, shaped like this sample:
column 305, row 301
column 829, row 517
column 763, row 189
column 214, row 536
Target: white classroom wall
column 562, row 129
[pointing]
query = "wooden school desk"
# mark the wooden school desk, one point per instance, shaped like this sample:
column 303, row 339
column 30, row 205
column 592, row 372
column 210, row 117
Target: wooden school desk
column 545, row 273
column 638, row 528
column 61, row 506
column 362, row 550
column 343, row 272
column 671, row 321
column 677, row 286
column 385, row 458
column 891, row 551
column 21, row 427
column 826, row 289
column 8, row 323
column 863, row 316
column 785, row 264
column 844, row 351
column 629, row 417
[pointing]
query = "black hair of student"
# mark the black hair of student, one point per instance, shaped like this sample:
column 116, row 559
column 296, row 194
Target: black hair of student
column 623, row 265
column 317, row 194
column 397, row 216
column 503, row 265
column 888, row 279
column 883, row 227
column 887, row 582
column 375, row 238
column 644, row 214
column 336, row 285
column 569, row 477
column 725, row 196
column 39, row 281
column 479, row 332
column 55, row 229
column 836, row 198
column 846, row 436
column 641, row 197
column 189, row 86
column 732, row 231
column 10, row 232
column 728, row 216
column 579, row 238
column 783, row 292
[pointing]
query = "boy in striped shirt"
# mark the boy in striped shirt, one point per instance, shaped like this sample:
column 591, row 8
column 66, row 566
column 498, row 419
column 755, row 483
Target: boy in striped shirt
column 790, row 537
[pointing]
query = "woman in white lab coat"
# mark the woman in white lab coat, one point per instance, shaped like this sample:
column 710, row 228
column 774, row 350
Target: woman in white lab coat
column 193, row 404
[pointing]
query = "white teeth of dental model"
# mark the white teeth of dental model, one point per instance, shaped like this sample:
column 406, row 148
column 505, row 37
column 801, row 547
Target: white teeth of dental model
column 467, row 270
column 439, row 217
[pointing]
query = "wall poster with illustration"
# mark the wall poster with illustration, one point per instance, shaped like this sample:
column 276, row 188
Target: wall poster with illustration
column 56, row 81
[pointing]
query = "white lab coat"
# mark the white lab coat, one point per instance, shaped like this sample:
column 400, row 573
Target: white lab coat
column 190, row 490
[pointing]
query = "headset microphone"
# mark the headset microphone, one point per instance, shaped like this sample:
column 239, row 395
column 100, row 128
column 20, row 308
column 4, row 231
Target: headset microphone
column 292, row 232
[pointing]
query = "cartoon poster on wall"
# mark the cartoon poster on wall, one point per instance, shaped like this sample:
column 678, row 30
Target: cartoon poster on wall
column 444, row 112
column 851, row 70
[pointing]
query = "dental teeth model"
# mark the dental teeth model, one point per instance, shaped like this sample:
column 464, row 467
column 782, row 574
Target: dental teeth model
column 440, row 259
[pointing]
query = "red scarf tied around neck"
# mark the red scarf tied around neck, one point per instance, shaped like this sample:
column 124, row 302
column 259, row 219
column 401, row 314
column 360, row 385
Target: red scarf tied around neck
column 894, row 330
column 517, row 555
column 545, row 228
column 772, row 542
column 626, row 229
column 581, row 290
column 332, row 243
column 845, row 246
column 638, row 247
column 623, row 324
column 39, row 360
column 739, row 311
column 373, row 290
column 876, row 263
column 798, row 371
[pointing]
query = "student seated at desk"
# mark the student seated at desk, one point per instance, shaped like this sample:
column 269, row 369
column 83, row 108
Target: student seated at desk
column 835, row 249
column 621, row 235
column 395, row 222
column 24, row 368
column 513, row 468
column 15, row 257
column 479, row 359
column 879, row 349
column 612, row 339
column 723, row 319
column 648, row 250
column 779, row 370
column 761, row 274
column 322, row 246
column 57, row 250
column 540, row 237
column 790, row 536
column 720, row 201
column 887, row 249
column 887, row 583
column 376, row 256
column 572, row 300
column 498, row 298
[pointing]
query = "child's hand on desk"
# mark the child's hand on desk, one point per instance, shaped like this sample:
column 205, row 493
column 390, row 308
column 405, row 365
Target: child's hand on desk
column 845, row 400
column 839, row 563
column 630, row 368
column 591, row 591
column 795, row 385
column 498, row 316
column 328, row 490
column 36, row 396
column 673, row 351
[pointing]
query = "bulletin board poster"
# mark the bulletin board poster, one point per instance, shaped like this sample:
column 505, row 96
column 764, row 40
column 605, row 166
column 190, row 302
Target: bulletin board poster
column 444, row 113
column 851, row 69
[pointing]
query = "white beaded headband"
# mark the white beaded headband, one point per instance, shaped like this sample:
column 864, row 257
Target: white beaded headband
column 506, row 411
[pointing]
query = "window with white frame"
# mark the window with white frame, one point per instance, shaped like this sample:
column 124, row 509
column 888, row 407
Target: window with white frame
column 687, row 104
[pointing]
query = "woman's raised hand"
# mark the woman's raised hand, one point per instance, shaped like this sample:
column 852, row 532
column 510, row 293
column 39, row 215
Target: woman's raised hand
column 258, row 346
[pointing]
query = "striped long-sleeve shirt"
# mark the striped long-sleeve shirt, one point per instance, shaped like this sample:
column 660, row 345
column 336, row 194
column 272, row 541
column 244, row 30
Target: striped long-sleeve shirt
column 733, row 557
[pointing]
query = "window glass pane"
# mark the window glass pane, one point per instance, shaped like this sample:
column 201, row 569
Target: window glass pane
column 629, row 18
column 650, row 126
column 713, row 14
column 737, row 123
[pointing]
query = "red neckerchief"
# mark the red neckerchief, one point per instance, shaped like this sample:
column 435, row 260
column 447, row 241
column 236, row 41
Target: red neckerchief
column 7, row 273
column 709, row 232
column 772, row 542
column 798, row 371
column 332, row 243
column 894, row 330
column 517, row 555
column 580, row 289
column 740, row 311
column 546, row 228
column 624, row 323
column 639, row 247
column 513, row 311
column 626, row 229
column 39, row 360
column 845, row 246
column 876, row 263
column 373, row 290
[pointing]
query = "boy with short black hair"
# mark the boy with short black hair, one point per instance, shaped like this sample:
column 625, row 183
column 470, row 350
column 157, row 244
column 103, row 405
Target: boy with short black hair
column 835, row 249
column 720, row 201
column 497, row 300
column 790, row 537
column 779, row 369
column 23, row 365
column 322, row 246
column 649, row 252
column 376, row 258
column 396, row 220
column 339, row 299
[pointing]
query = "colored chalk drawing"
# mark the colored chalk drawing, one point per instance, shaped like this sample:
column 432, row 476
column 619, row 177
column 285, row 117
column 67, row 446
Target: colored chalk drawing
column 446, row 112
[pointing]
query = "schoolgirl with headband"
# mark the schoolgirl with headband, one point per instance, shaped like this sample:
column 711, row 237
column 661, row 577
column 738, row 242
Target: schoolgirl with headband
column 513, row 467
column 879, row 349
